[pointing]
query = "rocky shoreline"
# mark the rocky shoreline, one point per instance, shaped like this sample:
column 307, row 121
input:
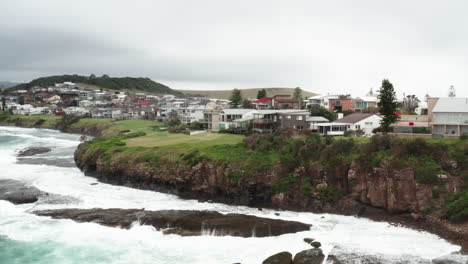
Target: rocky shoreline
column 203, row 182
column 182, row 222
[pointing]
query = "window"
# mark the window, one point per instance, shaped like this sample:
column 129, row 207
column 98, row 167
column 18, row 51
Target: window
column 298, row 117
column 288, row 117
column 368, row 123
column 358, row 126
column 337, row 103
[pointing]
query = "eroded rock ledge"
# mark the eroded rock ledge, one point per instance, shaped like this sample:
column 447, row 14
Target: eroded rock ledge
column 182, row 222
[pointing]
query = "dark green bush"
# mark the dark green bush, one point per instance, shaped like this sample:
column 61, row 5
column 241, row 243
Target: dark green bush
column 329, row 194
column 456, row 206
column 426, row 173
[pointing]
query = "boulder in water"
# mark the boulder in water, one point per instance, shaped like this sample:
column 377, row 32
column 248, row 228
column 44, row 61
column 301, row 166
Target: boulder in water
column 310, row 256
column 18, row 193
column 183, row 222
column 308, row 240
column 33, row 151
column 279, row 258
column 315, row 244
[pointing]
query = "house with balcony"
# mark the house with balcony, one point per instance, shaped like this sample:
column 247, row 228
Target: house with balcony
column 448, row 116
column 269, row 121
column 263, row 103
column 365, row 103
column 340, row 104
column 284, row 102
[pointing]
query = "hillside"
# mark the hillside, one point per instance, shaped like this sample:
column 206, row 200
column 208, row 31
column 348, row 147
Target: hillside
column 105, row 82
column 246, row 93
column 6, row 84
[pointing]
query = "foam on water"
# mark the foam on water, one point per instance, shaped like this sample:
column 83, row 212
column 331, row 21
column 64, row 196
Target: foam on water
column 55, row 240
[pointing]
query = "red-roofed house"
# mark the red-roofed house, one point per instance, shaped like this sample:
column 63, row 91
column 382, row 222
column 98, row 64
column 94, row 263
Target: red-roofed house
column 143, row 103
column 263, row 103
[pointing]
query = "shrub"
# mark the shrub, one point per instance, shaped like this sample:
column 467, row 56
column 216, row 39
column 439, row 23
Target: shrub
column 133, row 135
column 456, row 206
column 329, row 194
column 426, row 173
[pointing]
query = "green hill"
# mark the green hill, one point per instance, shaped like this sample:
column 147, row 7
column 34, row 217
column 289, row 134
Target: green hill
column 105, row 82
column 246, row 93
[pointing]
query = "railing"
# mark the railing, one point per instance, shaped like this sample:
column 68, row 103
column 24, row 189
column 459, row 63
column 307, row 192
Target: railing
column 263, row 121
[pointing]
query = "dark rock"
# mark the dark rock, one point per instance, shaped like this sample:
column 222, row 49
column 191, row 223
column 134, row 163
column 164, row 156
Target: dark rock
column 315, row 244
column 310, row 256
column 94, row 183
column 33, row 151
column 277, row 214
column 183, row 222
column 279, row 258
column 451, row 259
column 308, row 240
column 18, row 193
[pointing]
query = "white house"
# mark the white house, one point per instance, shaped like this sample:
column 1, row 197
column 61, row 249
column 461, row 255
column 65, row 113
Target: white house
column 449, row 116
column 355, row 121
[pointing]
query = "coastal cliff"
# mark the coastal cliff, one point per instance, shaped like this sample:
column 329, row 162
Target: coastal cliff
column 345, row 189
column 412, row 183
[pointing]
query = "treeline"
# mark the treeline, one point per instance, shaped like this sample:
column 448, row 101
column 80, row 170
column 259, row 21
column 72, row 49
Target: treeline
column 106, row 82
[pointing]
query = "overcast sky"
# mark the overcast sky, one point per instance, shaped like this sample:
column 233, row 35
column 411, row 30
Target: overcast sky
column 324, row 46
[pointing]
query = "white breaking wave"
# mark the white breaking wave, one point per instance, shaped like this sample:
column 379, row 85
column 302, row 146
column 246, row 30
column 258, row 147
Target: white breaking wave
column 144, row 244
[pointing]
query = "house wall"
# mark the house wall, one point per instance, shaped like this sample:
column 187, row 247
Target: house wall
column 294, row 121
column 431, row 102
column 346, row 104
column 368, row 124
column 447, row 118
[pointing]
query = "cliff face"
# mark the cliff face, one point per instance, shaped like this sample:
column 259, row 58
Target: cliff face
column 345, row 189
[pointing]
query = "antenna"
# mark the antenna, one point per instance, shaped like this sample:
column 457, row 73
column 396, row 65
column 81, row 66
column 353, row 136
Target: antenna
column 451, row 92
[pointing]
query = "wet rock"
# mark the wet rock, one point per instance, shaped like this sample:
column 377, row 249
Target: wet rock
column 279, row 258
column 315, row 244
column 183, row 222
column 344, row 256
column 451, row 259
column 94, row 183
column 308, row 240
column 33, row 151
column 310, row 256
column 18, row 193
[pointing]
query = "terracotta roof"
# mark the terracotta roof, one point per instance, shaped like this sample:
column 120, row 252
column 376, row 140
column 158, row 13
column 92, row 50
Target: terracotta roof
column 353, row 118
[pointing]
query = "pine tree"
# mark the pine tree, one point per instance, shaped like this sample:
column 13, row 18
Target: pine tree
column 236, row 98
column 387, row 105
column 261, row 93
column 297, row 93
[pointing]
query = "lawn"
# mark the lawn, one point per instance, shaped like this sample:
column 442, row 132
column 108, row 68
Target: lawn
column 158, row 139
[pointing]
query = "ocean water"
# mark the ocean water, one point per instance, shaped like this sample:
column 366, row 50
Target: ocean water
column 26, row 238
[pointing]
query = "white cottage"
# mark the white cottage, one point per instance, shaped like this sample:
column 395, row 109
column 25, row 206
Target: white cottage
column 355, row 121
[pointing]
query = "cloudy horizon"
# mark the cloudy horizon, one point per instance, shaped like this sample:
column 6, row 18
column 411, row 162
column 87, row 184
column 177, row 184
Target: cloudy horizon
column 324, row 47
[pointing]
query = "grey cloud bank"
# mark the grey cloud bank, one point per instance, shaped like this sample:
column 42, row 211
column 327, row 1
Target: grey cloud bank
column 321, row 46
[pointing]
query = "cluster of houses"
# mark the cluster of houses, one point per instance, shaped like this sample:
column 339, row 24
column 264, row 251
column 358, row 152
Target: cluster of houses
column 438, row 116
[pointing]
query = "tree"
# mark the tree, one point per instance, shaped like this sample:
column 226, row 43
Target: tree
column 236, row 98
column 261, row 93
column 451, row 92
column 247, row 104
column 3, row 103
column 387, row 105
column 317, row 110
column 297, row 93
column 410, row 103
column 92, row 76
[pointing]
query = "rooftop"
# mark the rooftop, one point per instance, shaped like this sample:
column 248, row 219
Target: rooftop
column 455, row 105
column 353, row 118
